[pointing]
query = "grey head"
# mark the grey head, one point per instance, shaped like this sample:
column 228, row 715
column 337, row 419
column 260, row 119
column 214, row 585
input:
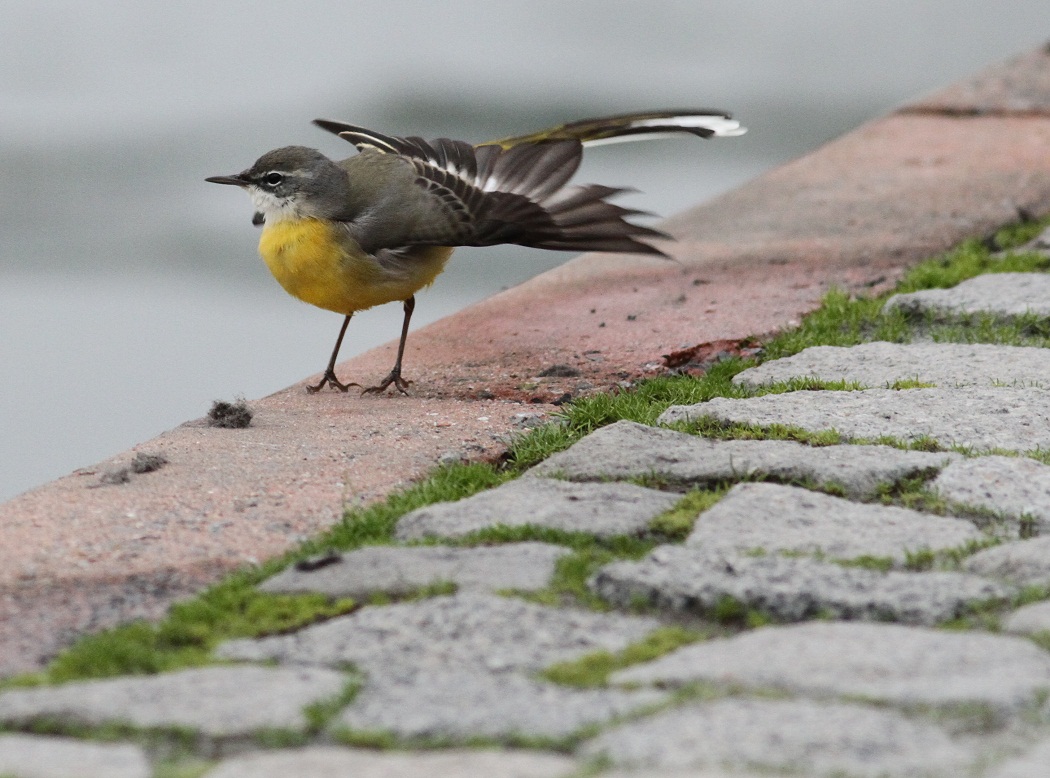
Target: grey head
column 292, row 182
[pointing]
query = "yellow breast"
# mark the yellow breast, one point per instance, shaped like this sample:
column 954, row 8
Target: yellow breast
column 321, row 264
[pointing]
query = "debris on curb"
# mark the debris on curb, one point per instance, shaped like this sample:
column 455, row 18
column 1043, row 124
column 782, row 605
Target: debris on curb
column 235, row 415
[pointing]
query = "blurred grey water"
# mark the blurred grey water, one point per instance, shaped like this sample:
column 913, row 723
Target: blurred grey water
column 130, row 291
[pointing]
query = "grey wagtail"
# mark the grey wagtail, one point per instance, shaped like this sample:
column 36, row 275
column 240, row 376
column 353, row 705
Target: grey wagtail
column 380, row 226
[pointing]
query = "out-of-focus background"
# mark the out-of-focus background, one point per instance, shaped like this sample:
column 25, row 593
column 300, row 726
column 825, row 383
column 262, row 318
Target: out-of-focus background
column 131, row 295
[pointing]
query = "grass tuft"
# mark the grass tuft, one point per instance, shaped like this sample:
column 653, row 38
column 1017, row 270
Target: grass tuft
column 676, row 523
column 594, row 669
column 186, row 637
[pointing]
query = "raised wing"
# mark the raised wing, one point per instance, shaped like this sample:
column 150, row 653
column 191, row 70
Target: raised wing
column 497, row 193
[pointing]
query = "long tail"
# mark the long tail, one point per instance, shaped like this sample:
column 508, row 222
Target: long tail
column 704, row 123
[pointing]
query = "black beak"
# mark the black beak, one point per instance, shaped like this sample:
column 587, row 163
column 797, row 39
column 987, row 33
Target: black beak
column 240, row 179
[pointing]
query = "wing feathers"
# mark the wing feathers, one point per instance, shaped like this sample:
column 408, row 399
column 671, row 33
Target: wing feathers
column 514, row 190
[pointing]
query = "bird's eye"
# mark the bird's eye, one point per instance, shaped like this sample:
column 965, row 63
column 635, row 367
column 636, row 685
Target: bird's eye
column 273, row 179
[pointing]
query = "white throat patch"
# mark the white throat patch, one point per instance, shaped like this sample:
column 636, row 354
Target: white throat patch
column 274, row 209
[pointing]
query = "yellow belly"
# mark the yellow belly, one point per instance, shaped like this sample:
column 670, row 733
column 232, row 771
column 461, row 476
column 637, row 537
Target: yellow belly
column 320, row 264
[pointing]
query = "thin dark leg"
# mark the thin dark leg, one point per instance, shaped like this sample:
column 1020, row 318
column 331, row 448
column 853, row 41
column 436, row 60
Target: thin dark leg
column 329, row 373
column 394, row 376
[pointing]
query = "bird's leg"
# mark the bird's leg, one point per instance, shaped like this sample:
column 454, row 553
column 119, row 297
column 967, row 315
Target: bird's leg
column 329, row 373
column 394, row 376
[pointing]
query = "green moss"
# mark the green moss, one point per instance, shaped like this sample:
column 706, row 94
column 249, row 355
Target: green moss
column 946, row 558
column 594, row 669
column 382, row 740
column 910, row 383
column 710, row 427
column 320, row 714
column 184, row 768
column 966, row 261
column 436, row 589
column 1015, row 235
column 731, row 612
column 1041, row 639
column 1038, row 454
column 1029, row 594
column 280, row 738
column 677, row 523
column 568, row 585
column 186, row 637
column 376, row 740
column 880, row 564
column 987, row 615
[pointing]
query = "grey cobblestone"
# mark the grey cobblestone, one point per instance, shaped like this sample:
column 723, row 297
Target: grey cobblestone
column 630, row 450
column 468, row 703
column 600, row 509
column 1029, row 619
column 806, row 737
column 393, row 570
column 788, row 589
column 910, row 666
column 1005, row 295
column 1024, row 562
column 219, row 702
column 1012, row 487
column 880, row 364
column 476, row 631
column 771, row 517
column 1008, row 418
column 36, row 756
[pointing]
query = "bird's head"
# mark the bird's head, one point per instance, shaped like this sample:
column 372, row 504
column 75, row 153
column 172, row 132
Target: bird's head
column 293, row 182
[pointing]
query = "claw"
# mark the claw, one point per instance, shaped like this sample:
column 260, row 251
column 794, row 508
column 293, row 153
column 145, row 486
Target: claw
column 394, row 378
column 330, row 379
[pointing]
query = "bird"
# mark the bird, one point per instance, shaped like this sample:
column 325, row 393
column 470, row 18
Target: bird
column 380, row 225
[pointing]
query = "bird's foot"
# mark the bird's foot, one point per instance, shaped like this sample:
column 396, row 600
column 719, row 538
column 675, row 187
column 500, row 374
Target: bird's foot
column 330, row 379
column 394, row 378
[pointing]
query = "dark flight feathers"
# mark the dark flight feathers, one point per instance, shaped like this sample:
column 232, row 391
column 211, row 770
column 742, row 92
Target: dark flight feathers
column 491, row 194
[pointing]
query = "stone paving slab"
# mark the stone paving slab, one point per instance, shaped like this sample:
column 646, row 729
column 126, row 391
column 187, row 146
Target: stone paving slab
column 879, row 365
column 1004, row 295
column 1024, row 562
column 518, row 566
column 1011, row 486
column 807, row 737
column 1031, row 764
column 461, row 704
column 334, row 762
column 773, row 517
column 35, row 756
column 218, row 702
column 476, row 631
column 600, row 509
column 788, row 589
column 1029, row 619
column 911, row 666
column 1009, row 418
column 627, row 449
